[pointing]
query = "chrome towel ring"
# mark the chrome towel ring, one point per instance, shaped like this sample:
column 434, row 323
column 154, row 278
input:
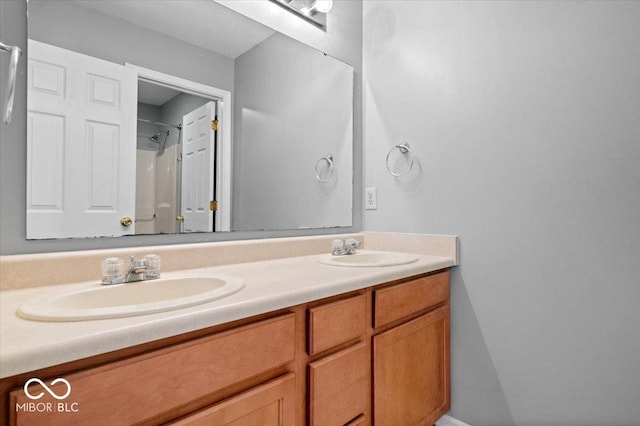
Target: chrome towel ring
column 404, row 149
column 326, row 159
column 14, row 51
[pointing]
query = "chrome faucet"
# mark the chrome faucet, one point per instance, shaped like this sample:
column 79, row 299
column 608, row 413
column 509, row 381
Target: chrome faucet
column 139, row 270
column 341, row 247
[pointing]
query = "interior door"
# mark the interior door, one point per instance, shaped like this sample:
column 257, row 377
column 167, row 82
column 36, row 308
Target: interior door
column 81, row 144
column 198, row 168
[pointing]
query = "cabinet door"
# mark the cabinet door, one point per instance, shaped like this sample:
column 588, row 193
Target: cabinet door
column 271, row 404
column 411, row 371
column 339, row 387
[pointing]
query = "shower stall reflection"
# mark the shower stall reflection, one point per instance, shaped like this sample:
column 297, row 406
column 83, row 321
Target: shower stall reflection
column 157, row 174
column 159, row 157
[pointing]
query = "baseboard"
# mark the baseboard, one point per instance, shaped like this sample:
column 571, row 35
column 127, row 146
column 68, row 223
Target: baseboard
column 447, row 420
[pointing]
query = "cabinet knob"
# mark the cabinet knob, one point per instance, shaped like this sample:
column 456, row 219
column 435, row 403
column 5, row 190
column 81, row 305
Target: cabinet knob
column 126, row 221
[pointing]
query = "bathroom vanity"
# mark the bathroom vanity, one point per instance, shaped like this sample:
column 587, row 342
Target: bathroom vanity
column 349, row 346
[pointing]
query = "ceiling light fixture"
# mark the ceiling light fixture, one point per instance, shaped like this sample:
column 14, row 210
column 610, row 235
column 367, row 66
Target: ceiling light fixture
column 313, row 11
column 323, row 6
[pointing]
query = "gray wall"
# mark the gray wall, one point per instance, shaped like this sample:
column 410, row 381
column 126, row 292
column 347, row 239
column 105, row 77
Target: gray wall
column 174, row 110
column 144, row 130
column 86, row 31
column 13, row 30
column 279, row 136
column 525, row 119
column 170, row 112
column 341, row 40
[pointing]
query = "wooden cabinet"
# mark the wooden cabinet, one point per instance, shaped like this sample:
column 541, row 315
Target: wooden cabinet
column 411, row 371
column 399, row 301
column 339, row 387
column 271, row 404
column 411, row 365
column 378, row 356
column 339, row 382
column 334, row 323
column 158, row 386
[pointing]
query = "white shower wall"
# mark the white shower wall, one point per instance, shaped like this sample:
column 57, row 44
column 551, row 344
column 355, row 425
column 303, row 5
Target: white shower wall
column 157, row 182
column 145, row 191
column 166, row 190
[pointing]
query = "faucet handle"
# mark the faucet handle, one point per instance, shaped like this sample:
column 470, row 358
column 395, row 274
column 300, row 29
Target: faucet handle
column 153, row 266
column 112, row 266
column 352, row 242
column 112, row 269
column 337, row 247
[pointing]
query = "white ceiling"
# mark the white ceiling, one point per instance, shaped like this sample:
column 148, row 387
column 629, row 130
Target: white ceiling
column 203, row 23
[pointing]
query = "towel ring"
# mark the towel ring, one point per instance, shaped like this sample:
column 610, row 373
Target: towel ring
column 404, row 148
column 326, row 159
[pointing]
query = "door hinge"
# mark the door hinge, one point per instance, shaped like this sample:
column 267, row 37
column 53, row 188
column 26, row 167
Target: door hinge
column 213, row 206
column 214, row 125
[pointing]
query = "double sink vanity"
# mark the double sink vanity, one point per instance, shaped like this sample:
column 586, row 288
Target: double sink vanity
column 277, row 331
column 260, row 332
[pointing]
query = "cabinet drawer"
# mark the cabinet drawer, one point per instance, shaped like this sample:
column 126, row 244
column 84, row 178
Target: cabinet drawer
column 155, row 385
column 271, row 404
column 339, row 386
column 401, row 300
column 335, row 323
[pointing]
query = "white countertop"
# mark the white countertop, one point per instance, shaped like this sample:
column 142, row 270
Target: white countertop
column 269, row 285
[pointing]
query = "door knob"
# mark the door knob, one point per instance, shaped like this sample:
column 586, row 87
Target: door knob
column 126, row 221
column 180, row 218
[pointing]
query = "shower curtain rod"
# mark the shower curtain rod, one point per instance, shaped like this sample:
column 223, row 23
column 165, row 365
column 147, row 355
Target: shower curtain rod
column 178, row 126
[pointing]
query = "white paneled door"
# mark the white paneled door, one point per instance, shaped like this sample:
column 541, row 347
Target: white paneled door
column 81, row 145
column 198, row 160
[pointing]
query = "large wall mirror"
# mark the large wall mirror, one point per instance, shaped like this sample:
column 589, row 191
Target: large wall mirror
column 163, row 117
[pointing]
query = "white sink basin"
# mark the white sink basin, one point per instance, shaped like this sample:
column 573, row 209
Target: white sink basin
column 366, row 258
column 95, row 301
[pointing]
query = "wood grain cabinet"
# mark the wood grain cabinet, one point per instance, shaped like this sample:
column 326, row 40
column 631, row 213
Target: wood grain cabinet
column 161, row 385
column 411, row 363
column 399, row 301
column 339, row 387
column 334, row 323
column 377, row 356
column 410, row 370
column 271, row 404
column 339, row 381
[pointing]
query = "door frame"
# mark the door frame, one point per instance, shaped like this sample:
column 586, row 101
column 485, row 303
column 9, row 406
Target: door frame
column 224, row 150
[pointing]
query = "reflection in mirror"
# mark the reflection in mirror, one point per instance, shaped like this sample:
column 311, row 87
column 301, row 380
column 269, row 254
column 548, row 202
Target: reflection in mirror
column 313, row 11
column 164, row 161
column 292, row 106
